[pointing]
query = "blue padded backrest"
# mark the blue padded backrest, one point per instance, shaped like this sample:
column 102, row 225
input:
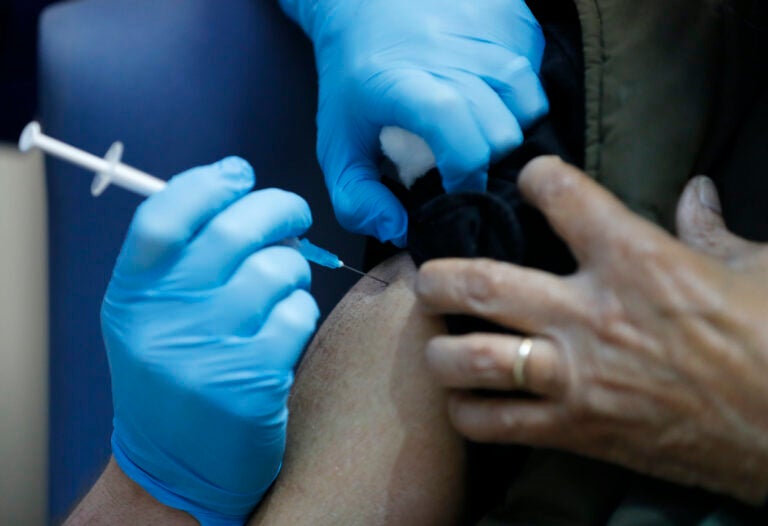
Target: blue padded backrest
column 181, row 83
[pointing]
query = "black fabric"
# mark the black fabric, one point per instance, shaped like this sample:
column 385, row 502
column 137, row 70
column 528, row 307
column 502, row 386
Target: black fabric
column 18, row 64
column 735, row 152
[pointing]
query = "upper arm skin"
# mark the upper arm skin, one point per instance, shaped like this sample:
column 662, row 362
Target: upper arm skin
column 369, row 440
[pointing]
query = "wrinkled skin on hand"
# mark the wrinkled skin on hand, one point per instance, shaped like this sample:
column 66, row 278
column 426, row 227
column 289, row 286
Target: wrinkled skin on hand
column 654, row 355
column 463, row 75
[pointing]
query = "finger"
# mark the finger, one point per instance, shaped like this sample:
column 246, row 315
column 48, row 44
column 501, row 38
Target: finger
column 496, row 121
column 700, row 223
column 515, row 297
column 287, row 331
column 589, row 218
column 259, row 219
column 264, row 279
column 506, row 420
column 519, row 87
column 494, row 361
column 166, row 221
column 435, row 111
column 364, row 205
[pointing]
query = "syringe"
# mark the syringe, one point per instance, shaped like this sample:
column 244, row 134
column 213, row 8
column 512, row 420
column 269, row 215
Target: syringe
column 110, row 170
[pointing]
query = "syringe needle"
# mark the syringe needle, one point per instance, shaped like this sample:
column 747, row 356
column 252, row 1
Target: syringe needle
column 364, row 274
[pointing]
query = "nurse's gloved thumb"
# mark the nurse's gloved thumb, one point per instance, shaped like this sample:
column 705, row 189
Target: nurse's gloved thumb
column 366, row 206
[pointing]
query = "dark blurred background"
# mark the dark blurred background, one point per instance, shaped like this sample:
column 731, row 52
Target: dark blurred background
column 18, row 64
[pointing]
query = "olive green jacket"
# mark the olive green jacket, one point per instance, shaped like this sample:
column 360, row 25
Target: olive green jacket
column 670, row 86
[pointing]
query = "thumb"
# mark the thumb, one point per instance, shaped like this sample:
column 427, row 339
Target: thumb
column 364, row 205
column 700, row 222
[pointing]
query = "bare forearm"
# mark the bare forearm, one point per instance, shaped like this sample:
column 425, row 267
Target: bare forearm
column 116, row 500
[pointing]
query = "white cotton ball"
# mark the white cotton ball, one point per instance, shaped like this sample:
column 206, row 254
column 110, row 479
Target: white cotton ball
column 409, row 153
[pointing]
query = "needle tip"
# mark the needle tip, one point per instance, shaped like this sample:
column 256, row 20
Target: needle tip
column 365, row 275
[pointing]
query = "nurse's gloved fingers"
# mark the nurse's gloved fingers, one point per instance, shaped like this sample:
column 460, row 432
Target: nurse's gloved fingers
column 287, row 330
column 259, row 219
column 243, row 305
column 498, row 124
column 364, row 205
column 519, row 87
column 434, row 110
column 168, row 220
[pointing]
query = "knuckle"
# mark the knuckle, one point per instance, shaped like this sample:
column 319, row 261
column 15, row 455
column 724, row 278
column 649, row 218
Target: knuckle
column 552, row 376
column 607, row 314
column 481, row 358
column 482, row 283
column 442, row 100
column 559, row 184
column 258, row 265
column 228, row 232
column 277, row 265
column 470, row 161
column 647, row 249
column 536, row 107
column 303, row 317
column 156, row 231
column 590, row 407
column 506, row 139
column 516, row 68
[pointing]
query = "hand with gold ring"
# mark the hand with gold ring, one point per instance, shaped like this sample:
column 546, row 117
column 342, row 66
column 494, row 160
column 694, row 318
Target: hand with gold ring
column 654, row 355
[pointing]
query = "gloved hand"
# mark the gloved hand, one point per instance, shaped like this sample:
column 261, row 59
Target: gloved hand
column 203, row 322
column 461, row 74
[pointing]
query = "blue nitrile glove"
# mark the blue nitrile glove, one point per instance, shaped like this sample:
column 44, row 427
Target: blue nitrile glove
column 203, row 322
column 462, row 74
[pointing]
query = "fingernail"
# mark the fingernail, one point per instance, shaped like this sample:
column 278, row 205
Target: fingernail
column 708, row 194
column 238, row 169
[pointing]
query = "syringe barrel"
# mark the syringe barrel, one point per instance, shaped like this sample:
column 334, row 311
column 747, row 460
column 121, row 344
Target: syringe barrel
column 69, row 153
column 120, row 174
column 135, row 180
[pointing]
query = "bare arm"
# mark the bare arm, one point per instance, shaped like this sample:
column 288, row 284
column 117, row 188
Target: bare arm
column 369, row 440
column 115, row 500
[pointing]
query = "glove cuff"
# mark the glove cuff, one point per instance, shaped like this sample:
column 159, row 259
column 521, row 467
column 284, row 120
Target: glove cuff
column 167, row 496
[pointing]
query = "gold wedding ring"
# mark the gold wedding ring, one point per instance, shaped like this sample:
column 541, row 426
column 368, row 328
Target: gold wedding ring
column 523, row 352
